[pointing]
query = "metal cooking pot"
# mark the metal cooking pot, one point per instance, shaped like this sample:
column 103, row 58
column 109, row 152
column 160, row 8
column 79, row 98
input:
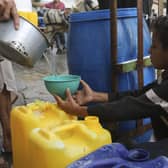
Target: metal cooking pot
column 24, row 46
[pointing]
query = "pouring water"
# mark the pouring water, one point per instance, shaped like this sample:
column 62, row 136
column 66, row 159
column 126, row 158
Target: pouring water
column 50, row 56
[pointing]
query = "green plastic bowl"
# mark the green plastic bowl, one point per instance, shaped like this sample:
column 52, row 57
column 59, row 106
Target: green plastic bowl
column 57, row 84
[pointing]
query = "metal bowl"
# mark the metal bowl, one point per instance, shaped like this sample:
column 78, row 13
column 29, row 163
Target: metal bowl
column 24, row 46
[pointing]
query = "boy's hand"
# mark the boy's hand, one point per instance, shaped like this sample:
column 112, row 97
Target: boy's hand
column 70, row 106
column 85, row 95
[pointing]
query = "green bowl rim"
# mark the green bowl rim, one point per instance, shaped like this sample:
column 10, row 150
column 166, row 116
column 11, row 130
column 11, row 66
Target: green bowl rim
column 70, row 75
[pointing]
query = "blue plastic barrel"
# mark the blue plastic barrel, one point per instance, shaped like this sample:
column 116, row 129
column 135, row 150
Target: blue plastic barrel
column 89, row 52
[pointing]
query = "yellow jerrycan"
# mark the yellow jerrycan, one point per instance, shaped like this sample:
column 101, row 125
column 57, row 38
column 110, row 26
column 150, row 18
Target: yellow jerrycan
column 60, row 146
column 32, row 17
column 25, row 10
column 25, row 118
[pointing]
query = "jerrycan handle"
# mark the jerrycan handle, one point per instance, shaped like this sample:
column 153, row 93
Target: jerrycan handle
column 45, row 136
column 45, row 133
column 22, row 110
column 92, row 122
column 76, row 128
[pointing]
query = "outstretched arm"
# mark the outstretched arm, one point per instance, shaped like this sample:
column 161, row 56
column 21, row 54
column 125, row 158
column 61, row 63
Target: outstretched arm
column 87, row 95
column 153, row 103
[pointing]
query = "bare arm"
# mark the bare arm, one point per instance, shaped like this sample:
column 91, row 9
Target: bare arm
column 87, row 95
column 38, row 4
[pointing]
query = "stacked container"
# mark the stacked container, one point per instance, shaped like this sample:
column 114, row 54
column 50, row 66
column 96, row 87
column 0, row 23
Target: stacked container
column 46, row 137
column 24, row 119
column 60, row 146
column 32, row 17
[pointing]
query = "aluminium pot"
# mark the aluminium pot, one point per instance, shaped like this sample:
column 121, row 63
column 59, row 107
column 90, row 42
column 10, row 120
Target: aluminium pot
column 24, row 46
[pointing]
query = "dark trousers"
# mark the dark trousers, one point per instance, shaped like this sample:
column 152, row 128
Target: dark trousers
column 60, row 39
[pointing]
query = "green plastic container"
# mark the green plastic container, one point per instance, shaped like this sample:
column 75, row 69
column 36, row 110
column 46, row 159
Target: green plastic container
column 57, row 84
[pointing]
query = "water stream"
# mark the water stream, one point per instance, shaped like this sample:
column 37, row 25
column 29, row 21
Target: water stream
column 50, row 57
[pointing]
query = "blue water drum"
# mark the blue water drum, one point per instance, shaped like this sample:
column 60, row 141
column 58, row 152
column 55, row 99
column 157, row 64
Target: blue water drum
column 89, row 53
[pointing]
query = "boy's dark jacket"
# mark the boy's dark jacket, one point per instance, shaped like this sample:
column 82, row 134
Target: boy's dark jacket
column 150, row 101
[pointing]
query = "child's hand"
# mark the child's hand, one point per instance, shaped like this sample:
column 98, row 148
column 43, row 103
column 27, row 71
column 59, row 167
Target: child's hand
column 85, row 95
column 70, row 106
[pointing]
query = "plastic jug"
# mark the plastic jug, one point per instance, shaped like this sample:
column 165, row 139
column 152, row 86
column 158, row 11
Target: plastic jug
column 25, row 10
column 24, row 119
column 30, row 16
column 59, row 146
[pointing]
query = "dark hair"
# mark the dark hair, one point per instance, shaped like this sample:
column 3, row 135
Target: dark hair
column 160, row 26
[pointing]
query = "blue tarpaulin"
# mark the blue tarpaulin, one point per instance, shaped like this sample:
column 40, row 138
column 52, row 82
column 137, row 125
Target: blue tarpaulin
column 116, row 155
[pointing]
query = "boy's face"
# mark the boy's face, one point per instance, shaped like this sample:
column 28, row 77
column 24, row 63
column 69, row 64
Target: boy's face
column 159, row 56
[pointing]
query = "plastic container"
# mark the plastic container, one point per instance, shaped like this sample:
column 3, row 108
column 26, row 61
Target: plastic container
column 25, row 9
column 57, row 84
column 24, row 119
column 58, row 147
column 89, row 53
column 89, row 47
column 32, row 17
column 116, row 156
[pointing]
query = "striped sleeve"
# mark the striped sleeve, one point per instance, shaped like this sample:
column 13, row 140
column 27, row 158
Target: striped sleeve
column 159, row 95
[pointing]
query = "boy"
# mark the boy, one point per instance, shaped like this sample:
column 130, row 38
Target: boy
column 150, row 101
